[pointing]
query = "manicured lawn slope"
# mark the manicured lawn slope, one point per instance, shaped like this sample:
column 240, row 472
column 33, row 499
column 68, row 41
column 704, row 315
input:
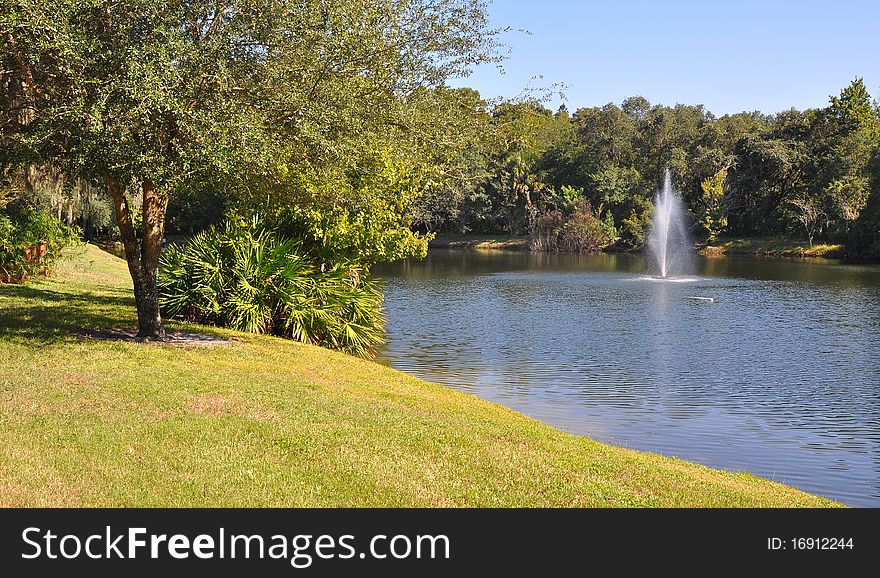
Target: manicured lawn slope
column 266, row 422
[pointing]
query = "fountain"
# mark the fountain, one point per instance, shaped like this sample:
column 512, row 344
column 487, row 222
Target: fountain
column 669, row 242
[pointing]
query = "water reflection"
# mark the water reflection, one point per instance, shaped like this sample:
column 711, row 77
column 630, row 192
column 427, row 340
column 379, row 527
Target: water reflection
column 776, row 376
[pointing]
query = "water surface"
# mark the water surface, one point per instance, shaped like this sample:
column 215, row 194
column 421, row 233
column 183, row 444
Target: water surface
column 777, row 376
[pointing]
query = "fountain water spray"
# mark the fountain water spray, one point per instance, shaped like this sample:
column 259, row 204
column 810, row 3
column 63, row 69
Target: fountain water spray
column 668, row 241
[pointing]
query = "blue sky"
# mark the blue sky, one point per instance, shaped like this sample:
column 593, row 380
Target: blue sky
column 729, row 56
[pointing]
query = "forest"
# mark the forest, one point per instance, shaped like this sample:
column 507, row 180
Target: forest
column 810, row 175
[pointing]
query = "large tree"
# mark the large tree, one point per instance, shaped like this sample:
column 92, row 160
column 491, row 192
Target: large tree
column 151, row 98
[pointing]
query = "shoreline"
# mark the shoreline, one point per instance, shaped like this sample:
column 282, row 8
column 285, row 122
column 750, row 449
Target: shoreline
column 770, row 247
column 480, row 242
column 754, row 247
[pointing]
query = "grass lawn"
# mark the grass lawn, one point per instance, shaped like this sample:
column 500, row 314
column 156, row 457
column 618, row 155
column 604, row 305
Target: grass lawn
column 268, row 422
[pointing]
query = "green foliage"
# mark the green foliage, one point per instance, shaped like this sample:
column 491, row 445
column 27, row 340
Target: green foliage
column 863, row 241
column 855, row 108
column 633, row 228
column 713, row 220
column 808, row 170
column 362, row 214
column 194, row 95
column 848, row 197
column 247, row 277
column 512, row 191
column 622, row 191
column 454, row 139
column 31, row 242
column 320, row 105
column 585, row 232
column 568, row 197
column 615, row 186
column 784, row 174
column 609, row 227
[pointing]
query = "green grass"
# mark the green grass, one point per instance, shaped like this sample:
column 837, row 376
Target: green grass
column 481, row 242
column 772, row 247
column 268, row 422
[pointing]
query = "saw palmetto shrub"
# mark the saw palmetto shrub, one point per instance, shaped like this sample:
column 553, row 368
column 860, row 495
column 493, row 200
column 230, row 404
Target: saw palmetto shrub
column 245, row 276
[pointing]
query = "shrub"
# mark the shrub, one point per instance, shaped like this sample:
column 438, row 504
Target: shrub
column 582, row 231
column 247, row 277
column 633, row 229
column 863, row 242
column 31, row 242
column 585, row 232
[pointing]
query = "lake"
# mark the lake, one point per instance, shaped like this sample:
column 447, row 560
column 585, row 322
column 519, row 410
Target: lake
column 777, row 375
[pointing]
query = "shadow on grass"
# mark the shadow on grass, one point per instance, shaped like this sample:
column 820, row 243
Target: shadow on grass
column 112, row 296
column 29, row 314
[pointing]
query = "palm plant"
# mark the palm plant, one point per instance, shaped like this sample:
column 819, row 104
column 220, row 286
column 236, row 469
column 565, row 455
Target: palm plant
column 246, row 277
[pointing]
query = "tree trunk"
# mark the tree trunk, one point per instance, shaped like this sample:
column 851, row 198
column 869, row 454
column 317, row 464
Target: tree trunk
column 29, row 181
column 142, row 255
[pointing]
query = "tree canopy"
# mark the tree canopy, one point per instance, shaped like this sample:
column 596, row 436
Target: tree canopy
column 313, row 105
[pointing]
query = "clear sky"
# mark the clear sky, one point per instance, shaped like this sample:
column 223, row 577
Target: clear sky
column 730, row 56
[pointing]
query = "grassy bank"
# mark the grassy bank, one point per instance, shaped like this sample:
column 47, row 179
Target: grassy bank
column 481, row 242
column 771, row 248
column 268, row 422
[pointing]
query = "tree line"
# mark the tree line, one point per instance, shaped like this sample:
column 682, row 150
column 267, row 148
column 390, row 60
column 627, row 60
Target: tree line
column 812, row 175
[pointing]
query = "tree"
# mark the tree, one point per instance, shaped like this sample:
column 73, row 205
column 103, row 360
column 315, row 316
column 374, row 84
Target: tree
column 854, row 108
column 855, row 138
column 714, row 217
column 809, row 214
column 606, row 132
column 848, row 197
column 155, row 97
column 522, row 132
column 457, row 135
column 636, row 108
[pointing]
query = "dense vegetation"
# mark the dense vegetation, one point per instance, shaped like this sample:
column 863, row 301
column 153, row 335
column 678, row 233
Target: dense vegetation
column 31, row 242
column 245, row 276
column 810, row 175
column 516, row 168
column 333, row 111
